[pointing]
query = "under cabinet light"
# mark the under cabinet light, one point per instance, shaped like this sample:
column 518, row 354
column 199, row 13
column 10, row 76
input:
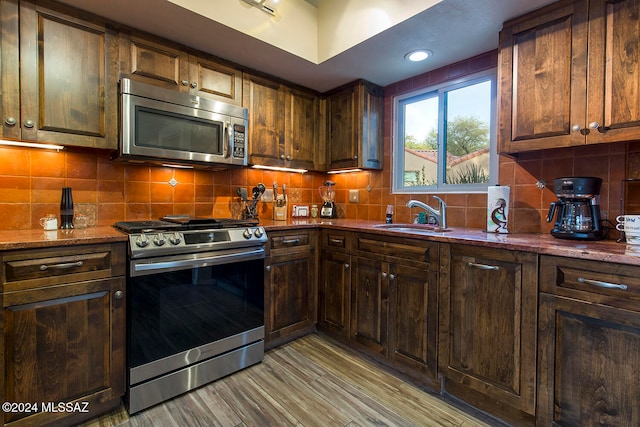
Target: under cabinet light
column 280, row 169
column 344, row 171
column 31, row 145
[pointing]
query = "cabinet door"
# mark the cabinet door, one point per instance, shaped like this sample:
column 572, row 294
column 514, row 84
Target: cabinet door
column 301, row 129
column 488, row 325
column 291, row 295
column 335, row 292
column 589, row 357
column 215, row 81
column 10, row 69
column 614, row 70
column 64, row 343
column 543, row 70
column 151, row 61
column 68, row 77
column 369, row 301
column 265, row 101
column 413, row 312
column 343, row 151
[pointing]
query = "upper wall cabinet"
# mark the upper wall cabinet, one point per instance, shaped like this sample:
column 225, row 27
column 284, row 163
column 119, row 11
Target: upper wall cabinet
column 283, row 124
column 159, row 62
column 355, row 116
column 569, row 76
column 59, row 75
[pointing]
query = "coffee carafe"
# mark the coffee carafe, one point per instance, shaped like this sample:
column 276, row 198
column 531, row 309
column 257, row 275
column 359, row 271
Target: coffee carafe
column 328, row 194
column 577, row 211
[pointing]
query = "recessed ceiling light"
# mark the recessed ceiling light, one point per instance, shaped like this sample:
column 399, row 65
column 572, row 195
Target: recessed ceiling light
column 417, row 55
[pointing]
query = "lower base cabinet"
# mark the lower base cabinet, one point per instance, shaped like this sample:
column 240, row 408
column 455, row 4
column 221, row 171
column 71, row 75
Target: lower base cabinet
column 589, row 335
column 488, row 320
column 290, row 286
column 63, row 334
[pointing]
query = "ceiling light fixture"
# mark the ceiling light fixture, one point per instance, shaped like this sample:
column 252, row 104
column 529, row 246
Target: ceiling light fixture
column 262, row 5
column 418, row 55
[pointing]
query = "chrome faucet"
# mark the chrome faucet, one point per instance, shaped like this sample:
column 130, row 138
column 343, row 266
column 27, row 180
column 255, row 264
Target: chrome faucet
column 440, row 214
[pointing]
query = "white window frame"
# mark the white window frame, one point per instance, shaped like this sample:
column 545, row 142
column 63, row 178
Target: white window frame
column 397, row 160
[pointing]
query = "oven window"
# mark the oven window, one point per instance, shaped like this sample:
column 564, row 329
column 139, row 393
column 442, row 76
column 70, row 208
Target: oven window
column 177, row 311
column 170, row 131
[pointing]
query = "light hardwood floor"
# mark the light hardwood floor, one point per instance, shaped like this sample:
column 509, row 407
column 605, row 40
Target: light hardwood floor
column 312, row 381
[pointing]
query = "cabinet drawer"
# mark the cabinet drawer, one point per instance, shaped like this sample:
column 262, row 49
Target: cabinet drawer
column 335, row 240
column 291, row 240
column 43, row 267
column 397, row 249
column 600, row 282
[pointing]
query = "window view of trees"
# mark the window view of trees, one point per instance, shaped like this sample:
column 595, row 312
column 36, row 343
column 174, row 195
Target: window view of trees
column 461, row 154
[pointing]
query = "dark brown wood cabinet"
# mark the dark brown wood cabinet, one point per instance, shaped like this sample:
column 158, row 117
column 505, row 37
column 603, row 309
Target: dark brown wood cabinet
column 290, row 285
column 589, row 343
column 63, row 335
column 566, row 77
column 355, row 126
column 488, row 320
column 284, row 124
column 334, row 293
column 161, row 63
column 59, row 75
column 394, row 302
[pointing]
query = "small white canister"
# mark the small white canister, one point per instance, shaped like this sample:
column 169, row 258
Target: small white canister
column 498, row 209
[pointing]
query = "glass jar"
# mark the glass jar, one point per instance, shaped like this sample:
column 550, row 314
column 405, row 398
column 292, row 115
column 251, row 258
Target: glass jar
column 314, row 211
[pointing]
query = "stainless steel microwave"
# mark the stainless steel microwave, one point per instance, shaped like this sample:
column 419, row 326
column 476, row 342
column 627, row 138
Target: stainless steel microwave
column 162, row 126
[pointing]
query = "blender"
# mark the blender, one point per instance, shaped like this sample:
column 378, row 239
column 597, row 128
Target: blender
column 328, row 194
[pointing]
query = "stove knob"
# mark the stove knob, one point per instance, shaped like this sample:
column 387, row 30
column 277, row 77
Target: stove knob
column 142, row 241
column 175, row 238
column 258, row 233
column 159, row 240
column 247, row 234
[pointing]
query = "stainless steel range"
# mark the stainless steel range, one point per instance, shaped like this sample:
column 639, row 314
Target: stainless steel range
column 195, row 311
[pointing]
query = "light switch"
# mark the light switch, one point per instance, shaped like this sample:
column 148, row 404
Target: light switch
column 354, row 196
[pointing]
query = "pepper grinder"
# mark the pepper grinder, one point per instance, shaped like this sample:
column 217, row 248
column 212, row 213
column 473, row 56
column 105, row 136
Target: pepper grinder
column 66, row 209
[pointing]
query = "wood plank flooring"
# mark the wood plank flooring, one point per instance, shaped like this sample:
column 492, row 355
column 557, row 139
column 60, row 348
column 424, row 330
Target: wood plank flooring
column 312, row 381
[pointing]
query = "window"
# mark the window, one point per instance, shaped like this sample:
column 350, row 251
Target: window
column 445, row 137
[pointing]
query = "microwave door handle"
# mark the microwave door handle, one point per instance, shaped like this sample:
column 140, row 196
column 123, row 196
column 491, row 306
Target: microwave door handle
column 227, row 144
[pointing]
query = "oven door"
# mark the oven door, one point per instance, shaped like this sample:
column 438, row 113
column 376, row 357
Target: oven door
column 188, row 308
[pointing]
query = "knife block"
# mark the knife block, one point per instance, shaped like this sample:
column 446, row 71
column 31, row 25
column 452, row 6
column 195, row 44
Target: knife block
column 280, row 208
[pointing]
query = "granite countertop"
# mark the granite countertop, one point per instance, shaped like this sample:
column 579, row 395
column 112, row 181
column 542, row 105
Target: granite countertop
column 38, row 238
column 606, row 250
column 545, row 244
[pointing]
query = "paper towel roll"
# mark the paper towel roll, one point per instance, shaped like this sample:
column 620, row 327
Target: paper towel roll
column 498, row 209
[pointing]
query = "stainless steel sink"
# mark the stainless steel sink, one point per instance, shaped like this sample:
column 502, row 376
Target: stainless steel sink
column 413, row 228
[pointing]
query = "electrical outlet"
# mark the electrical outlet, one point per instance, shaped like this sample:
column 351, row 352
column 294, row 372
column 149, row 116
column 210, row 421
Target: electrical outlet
column 354, row 196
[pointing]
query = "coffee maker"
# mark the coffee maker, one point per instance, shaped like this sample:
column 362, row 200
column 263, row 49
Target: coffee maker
column 328, row 194
column 577, row 211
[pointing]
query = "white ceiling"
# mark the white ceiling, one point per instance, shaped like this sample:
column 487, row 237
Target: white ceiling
column 453, row 30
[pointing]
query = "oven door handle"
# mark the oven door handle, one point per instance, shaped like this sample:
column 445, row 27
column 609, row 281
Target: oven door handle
column 186, row 262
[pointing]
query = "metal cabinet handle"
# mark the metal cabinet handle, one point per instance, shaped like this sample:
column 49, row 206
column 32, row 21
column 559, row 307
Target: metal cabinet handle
column 288, row 157
column 281, row 156
column 384, row 275
column 61, row 266
column 596, row 126
column 10, row 121
column 291, row 242
column 194, row 85
column 602, row 284
column 28, row 124
column 268, row 268
column 184, row 83
column 576, row 128
column 483, row 266
column 392, row 277
column 118, row 294
column 346, row 266
column 355, row 157
column 336, row 241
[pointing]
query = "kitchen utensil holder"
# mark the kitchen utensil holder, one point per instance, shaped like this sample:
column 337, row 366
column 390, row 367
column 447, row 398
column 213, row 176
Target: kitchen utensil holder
column 250, row 210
